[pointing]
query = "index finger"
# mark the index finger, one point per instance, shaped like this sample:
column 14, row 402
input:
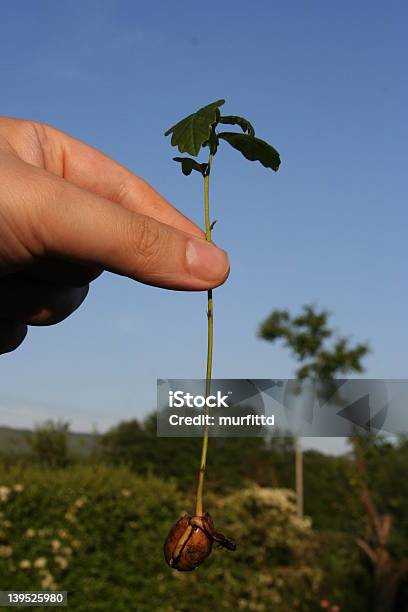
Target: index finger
column 90, row 169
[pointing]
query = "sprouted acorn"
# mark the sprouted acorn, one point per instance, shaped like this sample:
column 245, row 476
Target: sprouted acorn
column 190, row 540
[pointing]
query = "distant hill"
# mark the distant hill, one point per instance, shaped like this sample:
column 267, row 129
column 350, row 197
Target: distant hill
column 15, row 441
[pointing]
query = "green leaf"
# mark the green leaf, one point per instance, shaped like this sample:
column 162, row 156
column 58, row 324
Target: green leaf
column 191, row 133
column 188, row 165
column 244, row 124
column 253, row 148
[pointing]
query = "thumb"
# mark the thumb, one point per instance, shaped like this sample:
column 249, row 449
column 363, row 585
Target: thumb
column 79, row 225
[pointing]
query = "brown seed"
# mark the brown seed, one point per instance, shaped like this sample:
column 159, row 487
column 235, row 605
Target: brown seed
column 190, row 541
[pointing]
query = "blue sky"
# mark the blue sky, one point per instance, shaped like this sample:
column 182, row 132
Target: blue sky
column 324, row 82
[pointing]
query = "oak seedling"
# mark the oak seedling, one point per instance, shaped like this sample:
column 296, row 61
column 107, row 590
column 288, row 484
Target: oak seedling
column 190, row 540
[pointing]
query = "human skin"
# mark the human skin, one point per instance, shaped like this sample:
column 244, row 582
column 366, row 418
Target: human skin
column 68, row 212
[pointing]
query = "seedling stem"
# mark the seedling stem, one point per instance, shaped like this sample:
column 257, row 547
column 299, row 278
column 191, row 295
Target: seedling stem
column 210, row 333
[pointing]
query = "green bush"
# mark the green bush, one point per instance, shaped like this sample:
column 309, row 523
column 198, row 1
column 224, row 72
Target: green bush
column 98, row 533
column 48, row 444
column 91, row 530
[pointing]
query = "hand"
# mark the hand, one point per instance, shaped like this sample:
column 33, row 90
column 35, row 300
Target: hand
column 67, row 212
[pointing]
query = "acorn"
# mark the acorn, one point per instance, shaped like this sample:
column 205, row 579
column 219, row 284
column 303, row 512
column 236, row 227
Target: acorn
column 190, row 541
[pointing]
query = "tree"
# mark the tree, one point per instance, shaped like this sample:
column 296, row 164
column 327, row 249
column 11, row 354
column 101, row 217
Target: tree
column 309, row 337
column 389, row 562
column 49, row 443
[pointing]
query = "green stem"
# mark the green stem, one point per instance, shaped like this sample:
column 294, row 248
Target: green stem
column 210, row 331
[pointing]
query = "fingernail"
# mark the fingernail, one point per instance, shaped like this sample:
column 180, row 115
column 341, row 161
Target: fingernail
column 206, row 261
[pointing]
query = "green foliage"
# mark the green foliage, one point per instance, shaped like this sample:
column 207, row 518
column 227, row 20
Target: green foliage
column 49, row 443
column 136, row 445
column 199, row 130
column 346, row 580
column 97, row 532
column 385, row 465
column 93, row 531
column 116, row 558
column 331, row 500
column 190, row 134
column 306, row 336
column 244, row 124
column 253, row 149
column 188, row 165
column 232, row 463
column 274, row 568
